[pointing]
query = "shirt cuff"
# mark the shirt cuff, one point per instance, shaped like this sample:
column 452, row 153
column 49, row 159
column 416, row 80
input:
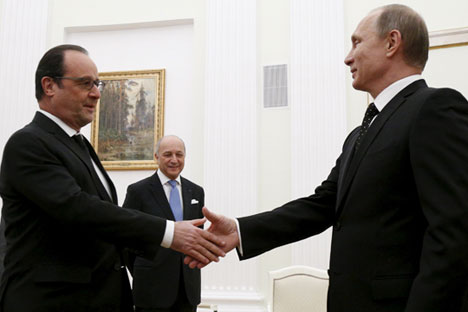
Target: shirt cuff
column 239, row 248
column 168, row 234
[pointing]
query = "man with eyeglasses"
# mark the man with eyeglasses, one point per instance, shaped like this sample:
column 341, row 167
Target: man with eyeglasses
column 64, row 230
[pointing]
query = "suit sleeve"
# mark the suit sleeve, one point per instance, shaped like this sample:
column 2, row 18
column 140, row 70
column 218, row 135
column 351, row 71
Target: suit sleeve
column 132, row 201
column 34, row 170
column 201, row 205
column 294, row 221
column 439, row 157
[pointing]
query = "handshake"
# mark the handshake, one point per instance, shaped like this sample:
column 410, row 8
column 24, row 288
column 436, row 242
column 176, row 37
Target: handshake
column 204, row 246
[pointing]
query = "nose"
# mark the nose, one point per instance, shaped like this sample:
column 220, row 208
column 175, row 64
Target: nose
column 95, row 93
column 349, row 59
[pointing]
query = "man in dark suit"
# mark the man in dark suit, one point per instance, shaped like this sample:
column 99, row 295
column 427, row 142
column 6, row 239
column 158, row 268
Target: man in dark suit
column 64, row 230
column 397, row 198
column 166, row 284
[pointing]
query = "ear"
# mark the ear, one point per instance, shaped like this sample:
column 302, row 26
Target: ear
column 48, row 85
column 156, row 157
column 393, row 42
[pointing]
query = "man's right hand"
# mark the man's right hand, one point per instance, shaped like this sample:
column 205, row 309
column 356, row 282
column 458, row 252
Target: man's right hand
column 202, row 246
column 224, row 228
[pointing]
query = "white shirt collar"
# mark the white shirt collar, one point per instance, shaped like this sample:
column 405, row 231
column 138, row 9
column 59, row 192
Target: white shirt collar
column 164, row 179
column 68, row 130
column 389, row 92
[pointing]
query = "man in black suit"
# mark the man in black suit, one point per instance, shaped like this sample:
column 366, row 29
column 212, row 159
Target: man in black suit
column 165, row 284
column 397, row 198
column 64, row 230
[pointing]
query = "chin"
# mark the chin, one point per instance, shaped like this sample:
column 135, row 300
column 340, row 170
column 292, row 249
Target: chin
column 357, row 86
column 175, row 174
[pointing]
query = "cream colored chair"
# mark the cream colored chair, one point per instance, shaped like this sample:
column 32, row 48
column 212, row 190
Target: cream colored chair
column 298, row 289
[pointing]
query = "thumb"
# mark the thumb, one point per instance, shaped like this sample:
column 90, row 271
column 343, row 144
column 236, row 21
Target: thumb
column 211, row 216
column 198, row 222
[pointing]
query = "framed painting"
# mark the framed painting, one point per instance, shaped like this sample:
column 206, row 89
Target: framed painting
column 129, row 119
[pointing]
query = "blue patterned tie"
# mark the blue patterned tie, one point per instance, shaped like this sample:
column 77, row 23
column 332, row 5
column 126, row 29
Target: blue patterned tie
column 174, row 201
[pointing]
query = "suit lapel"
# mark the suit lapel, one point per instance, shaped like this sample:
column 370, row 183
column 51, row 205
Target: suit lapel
column 187, row 198
column 98, row 163
column 51, row 127
column 375, row 128
column 345, row 162
column 157, row 191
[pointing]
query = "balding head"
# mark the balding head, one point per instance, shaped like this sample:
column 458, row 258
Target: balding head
column 170, row 154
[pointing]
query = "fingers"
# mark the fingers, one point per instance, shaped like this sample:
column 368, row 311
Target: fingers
column 210, row 244
column 192, row 263
column 187, row 259
column 198, row 222
column 203, row 256
column 197, row 243
column 213, row 240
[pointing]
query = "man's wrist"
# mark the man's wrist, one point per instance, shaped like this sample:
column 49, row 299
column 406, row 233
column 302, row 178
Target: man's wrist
column 168, row 234
column 239, row 248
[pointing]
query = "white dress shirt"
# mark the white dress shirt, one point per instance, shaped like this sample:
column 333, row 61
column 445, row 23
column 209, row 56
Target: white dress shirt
column 389, row 92
column 169, row 232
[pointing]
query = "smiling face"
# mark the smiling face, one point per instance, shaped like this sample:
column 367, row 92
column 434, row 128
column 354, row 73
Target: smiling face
column 171, row 156
column 69, row 99
column 367, row 59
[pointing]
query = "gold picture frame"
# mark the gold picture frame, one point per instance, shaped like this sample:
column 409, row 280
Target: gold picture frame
column 129, row 119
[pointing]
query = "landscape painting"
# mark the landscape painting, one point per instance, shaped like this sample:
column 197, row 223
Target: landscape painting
column 129, row 119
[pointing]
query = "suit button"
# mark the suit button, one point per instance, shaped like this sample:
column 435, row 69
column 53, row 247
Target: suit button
column 337, row 226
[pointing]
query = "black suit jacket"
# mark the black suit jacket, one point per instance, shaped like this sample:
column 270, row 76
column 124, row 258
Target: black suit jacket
column 63, row 232
column 156, row 283
column 398, row 207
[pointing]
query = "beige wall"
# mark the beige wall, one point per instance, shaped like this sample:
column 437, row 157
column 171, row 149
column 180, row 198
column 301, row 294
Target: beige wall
column 274, row 127
column 110, row 14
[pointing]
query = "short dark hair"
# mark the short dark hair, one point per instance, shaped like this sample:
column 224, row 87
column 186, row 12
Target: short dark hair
column 415, row 38
column 51, row 65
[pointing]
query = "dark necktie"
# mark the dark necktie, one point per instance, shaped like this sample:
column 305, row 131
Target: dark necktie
column 80, row 142
column 78, row 139
column 371, row 112
column 174, row 201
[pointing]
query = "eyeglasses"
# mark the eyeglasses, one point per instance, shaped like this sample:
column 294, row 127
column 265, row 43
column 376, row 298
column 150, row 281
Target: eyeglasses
column 86, row 82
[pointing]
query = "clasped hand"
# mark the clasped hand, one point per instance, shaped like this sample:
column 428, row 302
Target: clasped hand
column 220, row 238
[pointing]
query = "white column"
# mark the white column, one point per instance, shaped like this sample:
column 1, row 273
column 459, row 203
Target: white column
column 23, row 33
column 318, row 108
column 230, row 156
